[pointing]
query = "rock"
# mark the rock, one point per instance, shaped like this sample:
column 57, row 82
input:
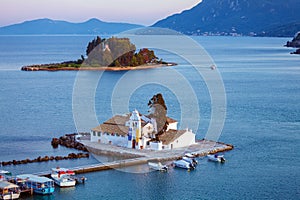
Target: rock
column 55, row 142
column 295, row 42
column 296, row 52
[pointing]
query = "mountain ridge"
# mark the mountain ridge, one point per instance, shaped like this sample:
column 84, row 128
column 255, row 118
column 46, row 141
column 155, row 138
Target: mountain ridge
column 230, row 17
column 49, row 26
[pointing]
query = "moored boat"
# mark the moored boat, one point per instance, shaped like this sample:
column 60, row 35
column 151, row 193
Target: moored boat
column 183, row 164
column 216, row 158
column 4, row 174
column 192, row 161
column 9, row 190
column 63, row 177
column 39, row 184
column 157, row 166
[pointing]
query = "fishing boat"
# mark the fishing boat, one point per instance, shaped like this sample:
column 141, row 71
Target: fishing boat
column 216, row 158
column 9, row 190
column 39, row 184
column 63, row 177
column 183, row 164
column 157, row 166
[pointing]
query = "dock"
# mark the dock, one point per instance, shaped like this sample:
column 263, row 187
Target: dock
column 134, row 157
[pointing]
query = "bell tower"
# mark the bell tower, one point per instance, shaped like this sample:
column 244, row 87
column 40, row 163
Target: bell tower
column 134, row 132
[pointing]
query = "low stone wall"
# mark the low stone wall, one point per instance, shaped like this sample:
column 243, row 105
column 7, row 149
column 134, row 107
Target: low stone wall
column 45, row 159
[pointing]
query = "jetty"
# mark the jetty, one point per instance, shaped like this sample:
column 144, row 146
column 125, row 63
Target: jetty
column 143, row 156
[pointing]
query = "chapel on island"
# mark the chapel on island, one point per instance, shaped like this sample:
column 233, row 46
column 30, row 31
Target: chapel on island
column 138, row 131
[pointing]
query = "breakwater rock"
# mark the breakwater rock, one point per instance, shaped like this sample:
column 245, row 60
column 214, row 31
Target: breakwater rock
column 45, row 159
column 70, row 141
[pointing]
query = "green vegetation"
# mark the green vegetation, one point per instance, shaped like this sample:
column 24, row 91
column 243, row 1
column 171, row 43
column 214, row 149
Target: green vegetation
column 117, row 52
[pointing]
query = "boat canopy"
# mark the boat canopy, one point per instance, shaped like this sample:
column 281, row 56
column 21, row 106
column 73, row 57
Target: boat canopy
column 34, row 178
column 5, row 184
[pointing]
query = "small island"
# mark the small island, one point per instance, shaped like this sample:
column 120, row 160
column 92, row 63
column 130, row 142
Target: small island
column 112, row 54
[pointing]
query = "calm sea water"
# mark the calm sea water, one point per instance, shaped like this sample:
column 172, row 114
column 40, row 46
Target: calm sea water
column 262, row 82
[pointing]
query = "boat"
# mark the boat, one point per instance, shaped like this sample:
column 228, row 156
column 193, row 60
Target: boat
column 39, row 184
column 190, row 155
column 63, row 177
column 9, row 190
column 216, row 158
column 183, row 164
column 4, row 174
column 192, row 161
column 157, row 166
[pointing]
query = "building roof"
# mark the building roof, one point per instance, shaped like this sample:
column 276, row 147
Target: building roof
column 112, row 129
column 170, row 136
column 118, row 119
column 116, row 125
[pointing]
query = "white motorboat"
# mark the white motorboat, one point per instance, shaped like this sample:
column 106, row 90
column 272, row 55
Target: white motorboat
column 192, row 161
column 9, row 190
column 157, row 166
column 216, row 158
column 183, row 164
column 189, row 155
column 63, row 177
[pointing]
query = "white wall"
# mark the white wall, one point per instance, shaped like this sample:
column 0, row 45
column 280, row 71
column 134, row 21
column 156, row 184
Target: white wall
column 172, row 126
column 187, row 139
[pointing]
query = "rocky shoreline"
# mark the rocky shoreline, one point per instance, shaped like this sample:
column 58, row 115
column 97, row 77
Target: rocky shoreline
column 56, row 67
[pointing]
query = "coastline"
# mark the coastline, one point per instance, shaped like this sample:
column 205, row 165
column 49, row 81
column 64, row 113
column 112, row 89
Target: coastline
column 51, row 67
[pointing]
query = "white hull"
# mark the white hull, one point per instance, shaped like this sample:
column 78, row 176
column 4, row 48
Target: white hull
column 9, row 196
column 216, row 158
column 183, row 164
column 65, row 181
column 157, row 166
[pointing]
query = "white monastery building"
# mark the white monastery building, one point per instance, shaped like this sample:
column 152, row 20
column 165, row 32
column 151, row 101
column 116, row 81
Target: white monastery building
column 140, row 132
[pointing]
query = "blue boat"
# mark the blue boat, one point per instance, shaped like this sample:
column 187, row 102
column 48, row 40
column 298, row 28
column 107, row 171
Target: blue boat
column 39, row 184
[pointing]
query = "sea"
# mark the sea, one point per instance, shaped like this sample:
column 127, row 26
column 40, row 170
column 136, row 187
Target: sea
column 261, row 82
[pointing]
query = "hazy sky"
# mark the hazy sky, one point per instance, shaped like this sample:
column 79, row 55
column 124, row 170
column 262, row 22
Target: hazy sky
column 144, row 12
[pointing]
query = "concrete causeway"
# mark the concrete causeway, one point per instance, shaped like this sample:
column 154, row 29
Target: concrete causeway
column 138, row 157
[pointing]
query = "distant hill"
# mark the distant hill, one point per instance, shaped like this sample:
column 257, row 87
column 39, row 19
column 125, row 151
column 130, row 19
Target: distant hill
column 48, row 26
column 246, row 17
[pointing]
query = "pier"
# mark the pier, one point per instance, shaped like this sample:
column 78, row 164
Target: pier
column 138, row 157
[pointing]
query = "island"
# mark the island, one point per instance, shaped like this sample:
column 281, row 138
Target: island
column 295, row 43
column 112, row 54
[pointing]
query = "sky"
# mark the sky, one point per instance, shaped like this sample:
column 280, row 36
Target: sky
column 145, row 12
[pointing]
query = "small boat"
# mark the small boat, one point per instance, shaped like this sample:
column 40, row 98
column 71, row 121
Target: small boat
column 216, row 158
column 39, row 184
column 189, row 155
column 4, row 174
column 183, row 164
column 192, row 161
column 9, row 190
column 63, row 177
column 157, row 166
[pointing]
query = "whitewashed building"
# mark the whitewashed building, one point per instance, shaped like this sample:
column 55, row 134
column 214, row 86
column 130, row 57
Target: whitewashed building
column 140, row 132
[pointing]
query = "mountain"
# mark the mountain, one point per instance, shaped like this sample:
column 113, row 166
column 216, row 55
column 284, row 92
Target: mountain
column 246, row 17
column 48, row 26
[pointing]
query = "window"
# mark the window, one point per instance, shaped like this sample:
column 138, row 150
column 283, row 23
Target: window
column 99, row 134
column 94, row 133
